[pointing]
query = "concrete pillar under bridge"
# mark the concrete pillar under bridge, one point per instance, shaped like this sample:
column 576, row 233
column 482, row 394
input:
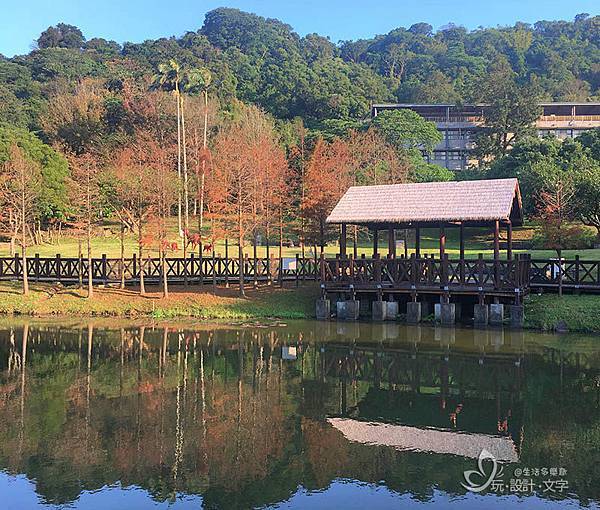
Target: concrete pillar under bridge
column 450, row 310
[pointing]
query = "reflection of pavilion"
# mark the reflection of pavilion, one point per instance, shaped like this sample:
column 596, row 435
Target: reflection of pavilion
column 429, row 401
column 403, row 437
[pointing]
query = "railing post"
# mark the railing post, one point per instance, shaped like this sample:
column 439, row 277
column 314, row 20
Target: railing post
column 58, row 271
column 226, row 264
column 245, row 267
column 134, row 267
column 497, row 283
column 297, row 270
column 480, row 270
column 36, row 266
column 104, row 274
column 377, row 267
column 192, row 272
column 577, row 266
column 322, row 267
column 444, row 270
column 200, row 265
column 413, row 271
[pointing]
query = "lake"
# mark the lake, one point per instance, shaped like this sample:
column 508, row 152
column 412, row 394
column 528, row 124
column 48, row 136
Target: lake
column 312, row 415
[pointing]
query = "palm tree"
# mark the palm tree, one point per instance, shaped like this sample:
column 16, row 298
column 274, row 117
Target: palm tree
column 200, row 79
column 170, row 78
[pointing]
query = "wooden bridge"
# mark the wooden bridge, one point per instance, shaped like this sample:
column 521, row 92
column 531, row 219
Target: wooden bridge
column 372, row 275
column 426, row 275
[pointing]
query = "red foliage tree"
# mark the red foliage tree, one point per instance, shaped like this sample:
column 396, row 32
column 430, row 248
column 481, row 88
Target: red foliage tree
column 328, row 176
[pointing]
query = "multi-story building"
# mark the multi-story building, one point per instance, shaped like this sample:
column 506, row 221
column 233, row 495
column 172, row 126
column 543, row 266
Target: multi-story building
column 459, row 126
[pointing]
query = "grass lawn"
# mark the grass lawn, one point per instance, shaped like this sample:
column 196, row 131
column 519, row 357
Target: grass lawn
column 478, row 241
column 265, row 302
column 577, row 312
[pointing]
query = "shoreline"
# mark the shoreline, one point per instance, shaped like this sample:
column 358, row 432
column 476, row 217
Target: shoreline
column 545, row 313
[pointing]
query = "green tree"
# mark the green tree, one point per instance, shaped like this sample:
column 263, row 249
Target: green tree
column 511, row 112
column 591, row 140
column 587, row 193
column 406, row 129
column 52, row 201
column 61, row 36
column 428, row 172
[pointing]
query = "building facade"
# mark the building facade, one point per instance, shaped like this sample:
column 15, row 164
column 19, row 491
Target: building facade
column 459, row 126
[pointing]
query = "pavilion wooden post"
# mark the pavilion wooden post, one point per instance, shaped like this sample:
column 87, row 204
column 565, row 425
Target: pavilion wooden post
column 496, row 240
column 391, row 242
column 442, row 242
column 418, row 242
column 462, row 253
column 509, row 238
column 375, row 242
column 497, row 253
column 343, row 240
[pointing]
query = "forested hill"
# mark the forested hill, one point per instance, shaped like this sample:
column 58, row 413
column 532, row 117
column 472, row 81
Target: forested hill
column 263, row 61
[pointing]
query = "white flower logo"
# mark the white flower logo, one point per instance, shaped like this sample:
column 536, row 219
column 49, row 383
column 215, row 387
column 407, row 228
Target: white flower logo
column 486, row 479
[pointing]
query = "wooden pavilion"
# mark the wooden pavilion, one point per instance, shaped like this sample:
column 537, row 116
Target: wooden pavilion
column 493, row 204
column 485, row 203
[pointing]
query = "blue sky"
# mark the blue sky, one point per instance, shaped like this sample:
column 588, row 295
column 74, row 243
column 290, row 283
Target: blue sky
column 21, row 21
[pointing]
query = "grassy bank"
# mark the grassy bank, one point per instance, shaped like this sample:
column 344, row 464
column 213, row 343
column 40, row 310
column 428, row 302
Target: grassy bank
column 45, row 300
column 578, row 313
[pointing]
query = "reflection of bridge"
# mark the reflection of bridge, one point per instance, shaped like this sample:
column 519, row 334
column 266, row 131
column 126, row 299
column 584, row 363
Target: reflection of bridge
column 451, row 372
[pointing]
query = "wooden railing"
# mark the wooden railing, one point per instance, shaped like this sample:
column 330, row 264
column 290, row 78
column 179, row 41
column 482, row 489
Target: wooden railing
column 427, row 273
column 213, row 269
column 519, row 273
column 571, row 274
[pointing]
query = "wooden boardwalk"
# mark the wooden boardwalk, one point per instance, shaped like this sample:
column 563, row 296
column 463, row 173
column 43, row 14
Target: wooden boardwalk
column 340, row 274
column 193, row 270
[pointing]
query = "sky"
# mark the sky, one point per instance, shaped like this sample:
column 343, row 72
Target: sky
column 21, row 21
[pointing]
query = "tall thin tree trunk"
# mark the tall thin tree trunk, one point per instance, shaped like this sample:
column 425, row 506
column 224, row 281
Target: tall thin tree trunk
column 163, row 262
column 15, row 233
column 203, row 174
column 90, row 268
column 122, row 261
column 80, row 262
column 179, row 223
column 24, row 238
column 186, row 201
column 280, row 233
column 141, row 257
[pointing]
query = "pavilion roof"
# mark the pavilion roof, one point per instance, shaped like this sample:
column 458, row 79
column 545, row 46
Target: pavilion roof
column 431, row 202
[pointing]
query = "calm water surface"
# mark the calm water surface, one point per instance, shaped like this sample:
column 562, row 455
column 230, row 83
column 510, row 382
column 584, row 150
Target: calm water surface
column 309, row 415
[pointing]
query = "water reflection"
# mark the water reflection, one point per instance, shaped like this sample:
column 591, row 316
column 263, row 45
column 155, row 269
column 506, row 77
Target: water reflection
column 240, row 417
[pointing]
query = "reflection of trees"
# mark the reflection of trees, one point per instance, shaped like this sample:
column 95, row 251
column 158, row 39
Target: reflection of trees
column 220, row 413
